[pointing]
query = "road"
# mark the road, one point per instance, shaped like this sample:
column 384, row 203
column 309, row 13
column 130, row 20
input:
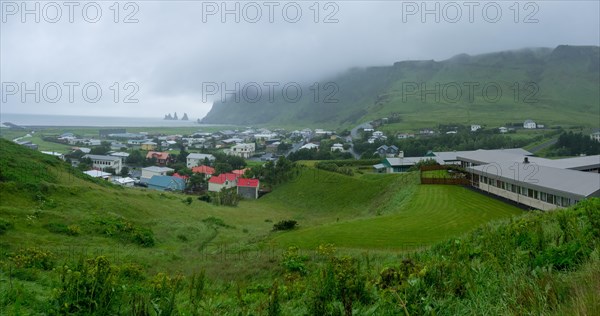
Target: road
column 543, row 145
column 354, row 131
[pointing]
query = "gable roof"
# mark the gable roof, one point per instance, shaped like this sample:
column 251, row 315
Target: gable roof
column 243, row 182
column 220, row 179
column 158, row 155
column 102, row 157
column 203, row 169
column 200, row 156
column 158, row 169
column 239, row 172
column 540, row 176
column 167, row 182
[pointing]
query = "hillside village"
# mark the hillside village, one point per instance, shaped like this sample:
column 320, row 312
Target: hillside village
column 220, row 161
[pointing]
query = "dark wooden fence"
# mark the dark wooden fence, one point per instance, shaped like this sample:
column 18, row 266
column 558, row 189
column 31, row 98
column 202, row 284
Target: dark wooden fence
column 461, row 178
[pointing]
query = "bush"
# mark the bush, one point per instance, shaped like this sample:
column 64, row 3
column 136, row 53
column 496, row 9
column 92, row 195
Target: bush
column 5, row 225
column 60, row 228
column 125, row 231
column 33, row 258
column 285, row 225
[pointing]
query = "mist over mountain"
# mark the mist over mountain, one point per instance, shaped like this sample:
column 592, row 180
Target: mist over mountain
column 556, row 86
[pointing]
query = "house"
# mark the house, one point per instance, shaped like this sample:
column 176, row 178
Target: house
column 122, row 155
column 195, row 159
column 240, row 172
column 149, row 172
column 55, row 154
column 166, row 183
column 222, row 181
column 503, row 129
column 98, row 174
column 117, row 146
column 124, row 181
column 310, row 146
column 161, row 157
column 595, row 136
column 102, row 162
column 28, row 144
column 405, row 135
column 84, row 150
column 377, row 133
column 387, row 151
column 529, row 124
column 206, row 170
column 148, row 145
column 244, row 150
column 475, row 127
column 248, row 188
column 338, row 147
column 400, row 164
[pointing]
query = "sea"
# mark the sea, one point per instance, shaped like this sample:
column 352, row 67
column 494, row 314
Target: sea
column 33, row 120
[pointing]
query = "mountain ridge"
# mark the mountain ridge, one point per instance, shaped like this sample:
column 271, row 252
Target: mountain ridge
column 564, row 91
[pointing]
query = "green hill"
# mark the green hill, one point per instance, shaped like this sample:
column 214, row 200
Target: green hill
column 565, row 91
column 73, row 245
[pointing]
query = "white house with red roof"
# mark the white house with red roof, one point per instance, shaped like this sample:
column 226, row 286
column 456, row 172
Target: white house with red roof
column 224, row 180
column 248, row 188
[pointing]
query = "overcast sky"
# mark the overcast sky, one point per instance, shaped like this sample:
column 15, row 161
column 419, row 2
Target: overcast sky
column 175, row 46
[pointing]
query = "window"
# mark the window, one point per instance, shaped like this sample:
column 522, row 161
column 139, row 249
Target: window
column 543, row 196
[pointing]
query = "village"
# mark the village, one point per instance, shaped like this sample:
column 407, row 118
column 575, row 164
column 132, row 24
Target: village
column 221, row 160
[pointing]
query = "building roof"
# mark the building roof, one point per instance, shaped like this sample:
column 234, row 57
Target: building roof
column 97, row 174
column 240, row 172
column 122, row 180
column 102, row 157
column 158, row 169
column 167, row 182
column 157, row 155
column 539, row 176
column 177, row 175
column 200, row 156
column 120, row 154
column 407, row 161
column 220, row 179
column 482, row 156
column 242, row 182
column 528, row 121
column 203, row 169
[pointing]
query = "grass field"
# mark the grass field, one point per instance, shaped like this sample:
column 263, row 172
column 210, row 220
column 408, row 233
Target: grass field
column 433, row 213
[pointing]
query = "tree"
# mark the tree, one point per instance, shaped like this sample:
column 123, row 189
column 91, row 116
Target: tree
column 135, row 158
column 124, row 171
column 222, row 167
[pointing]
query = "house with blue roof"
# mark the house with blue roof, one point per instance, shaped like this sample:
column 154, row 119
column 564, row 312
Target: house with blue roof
column 166, row 183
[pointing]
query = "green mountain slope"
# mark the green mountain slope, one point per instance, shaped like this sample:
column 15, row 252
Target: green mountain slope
column 554, row 86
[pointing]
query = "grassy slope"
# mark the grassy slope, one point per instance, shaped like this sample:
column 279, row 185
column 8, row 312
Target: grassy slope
column 434, row 213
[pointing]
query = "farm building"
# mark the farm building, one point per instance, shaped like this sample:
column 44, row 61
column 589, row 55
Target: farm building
column 248, row 188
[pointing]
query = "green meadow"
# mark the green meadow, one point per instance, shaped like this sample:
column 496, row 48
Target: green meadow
column 370, row 244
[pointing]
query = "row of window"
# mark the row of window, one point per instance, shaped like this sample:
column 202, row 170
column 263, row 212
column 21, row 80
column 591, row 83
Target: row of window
column 103, row 162
column 531, row 193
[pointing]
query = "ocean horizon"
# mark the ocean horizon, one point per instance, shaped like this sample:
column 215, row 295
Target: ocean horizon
column 32, row 120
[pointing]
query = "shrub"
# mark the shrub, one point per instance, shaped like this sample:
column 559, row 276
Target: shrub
column 285, row 225
column 33, row 258
column 60, row 228
column 5, row 225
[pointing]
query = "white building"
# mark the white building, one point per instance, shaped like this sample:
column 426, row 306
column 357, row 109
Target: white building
column 101, row 162
column 123, row 181
column 595, row 136
column 97, row 174
column 529, row 124
column 149, row 172
column 338, row 147
column 310, row 146
column 475, row 127
column 195, row 159
column 503, row 129
column 244, row 150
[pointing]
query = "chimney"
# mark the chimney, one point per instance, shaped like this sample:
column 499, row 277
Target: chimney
column 526, row 160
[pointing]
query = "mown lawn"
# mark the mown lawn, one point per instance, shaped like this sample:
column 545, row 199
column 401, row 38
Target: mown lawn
column 433, row 213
